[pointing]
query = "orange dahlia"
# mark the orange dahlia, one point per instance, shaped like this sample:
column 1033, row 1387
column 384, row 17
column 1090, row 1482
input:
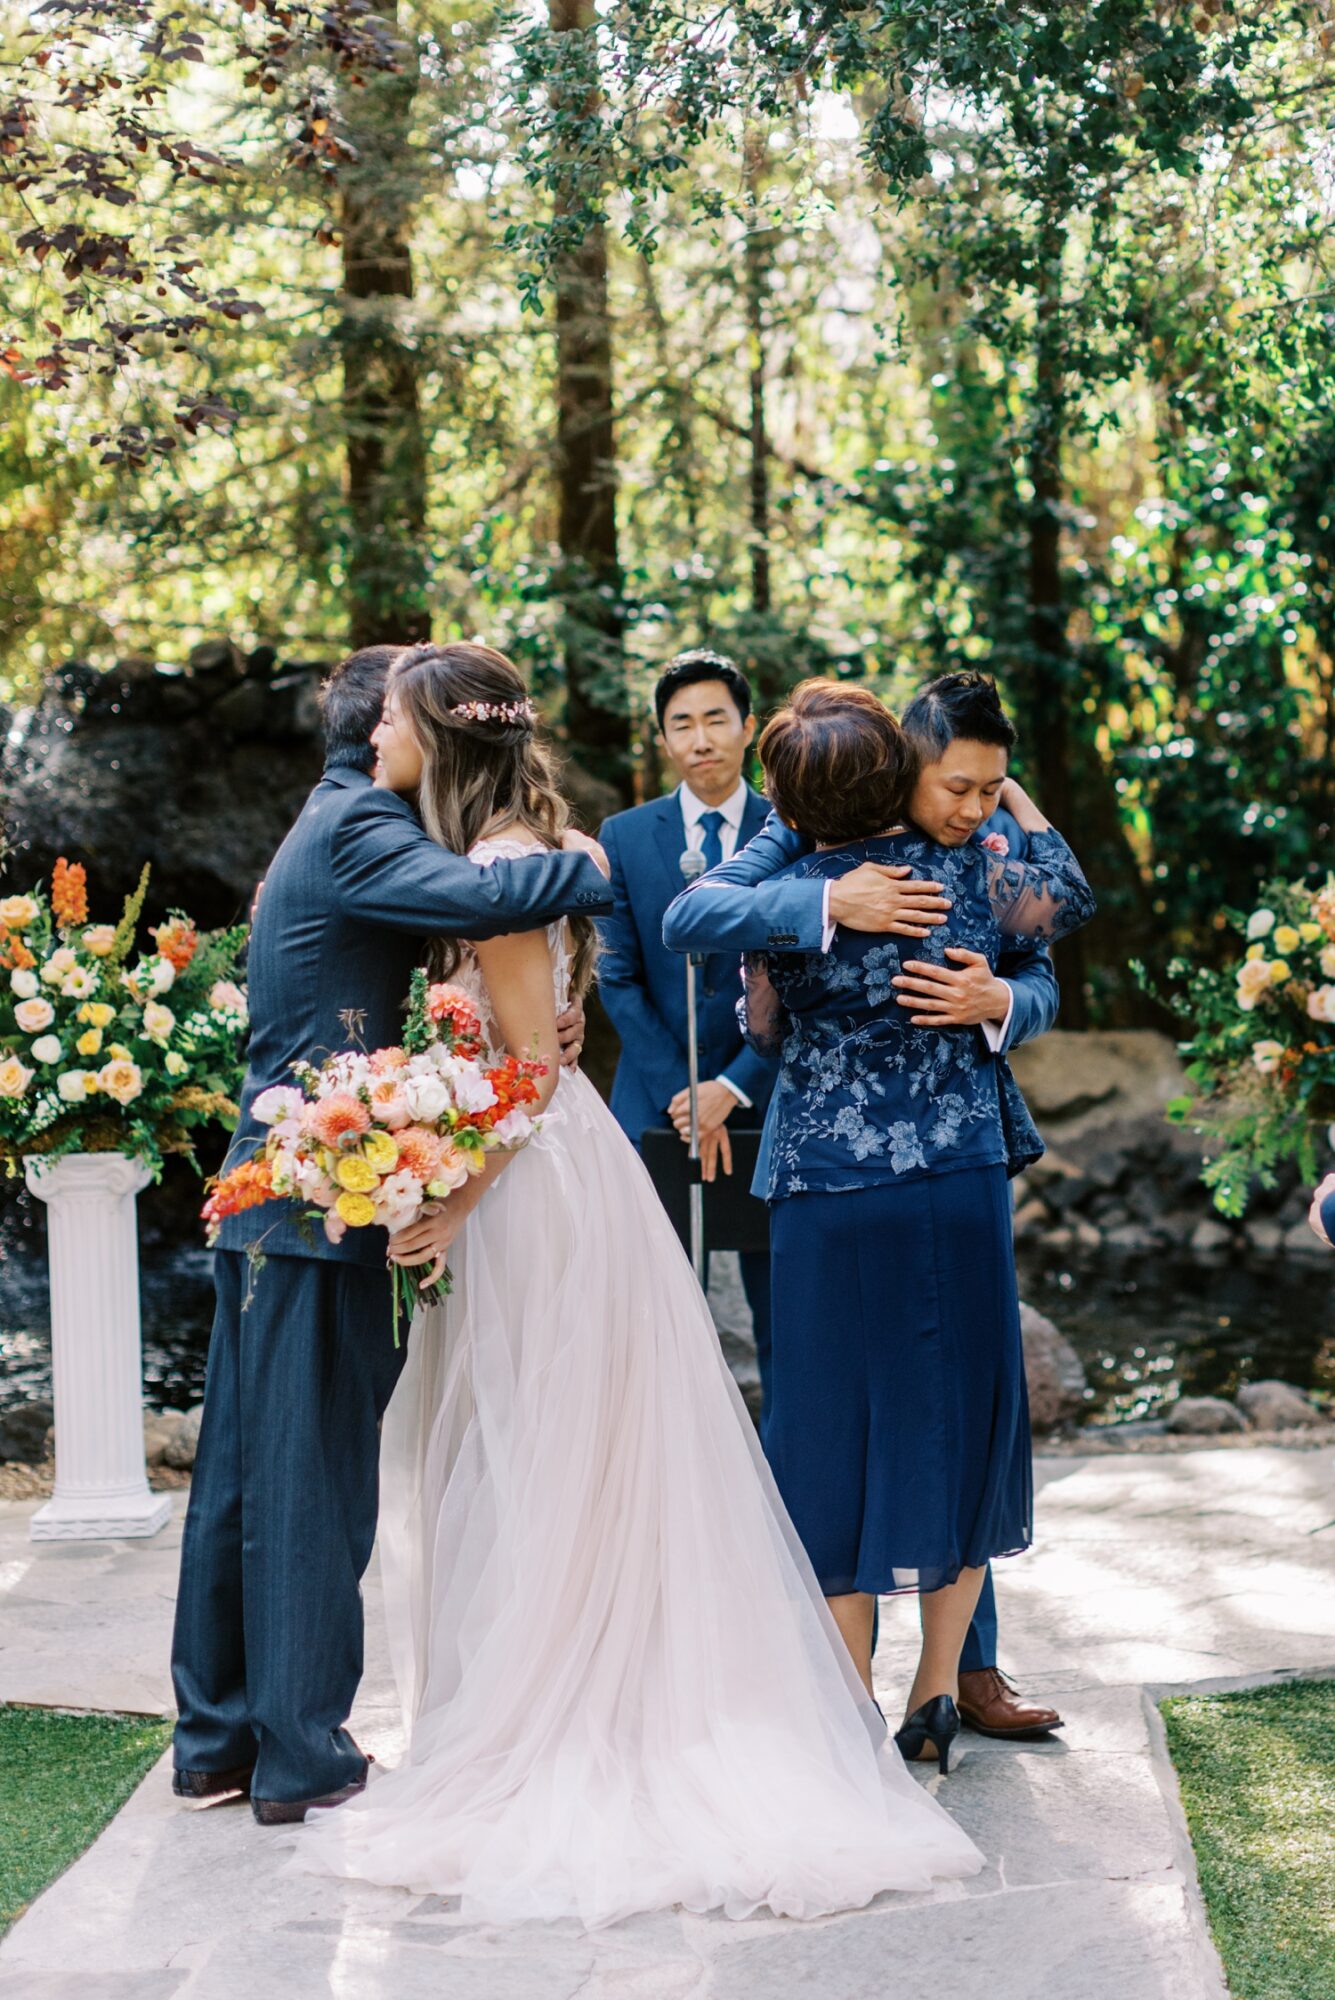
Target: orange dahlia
column 69, row 893
column 339, row 1121
column 419, row 1152
column 177, row 941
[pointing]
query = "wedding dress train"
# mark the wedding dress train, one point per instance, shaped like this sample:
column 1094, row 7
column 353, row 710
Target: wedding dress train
column 622, row 1686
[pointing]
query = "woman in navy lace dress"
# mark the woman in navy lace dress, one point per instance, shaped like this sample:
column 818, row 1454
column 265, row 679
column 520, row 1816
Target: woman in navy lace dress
column 899, row 1424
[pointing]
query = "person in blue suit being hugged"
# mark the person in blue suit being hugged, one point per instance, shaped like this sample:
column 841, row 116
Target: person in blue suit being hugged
column 703, row 704
column 962, row 741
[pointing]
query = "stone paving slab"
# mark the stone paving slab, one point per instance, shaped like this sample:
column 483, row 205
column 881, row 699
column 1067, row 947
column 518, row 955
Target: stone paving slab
column 1209, row 1568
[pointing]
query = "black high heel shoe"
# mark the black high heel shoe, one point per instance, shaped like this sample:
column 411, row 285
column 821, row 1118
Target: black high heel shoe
column 937, row 1720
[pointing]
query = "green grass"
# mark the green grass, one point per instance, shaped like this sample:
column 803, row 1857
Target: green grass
column 64, row 1778
column 1257, row 1772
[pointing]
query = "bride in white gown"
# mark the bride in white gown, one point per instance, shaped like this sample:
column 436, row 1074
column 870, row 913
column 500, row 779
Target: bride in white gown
column 622, row 1686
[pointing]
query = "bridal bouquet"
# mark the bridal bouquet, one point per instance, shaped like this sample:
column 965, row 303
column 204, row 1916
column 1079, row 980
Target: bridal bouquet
column 1262, row 1055
column 366, row 1140
column 106, row 1049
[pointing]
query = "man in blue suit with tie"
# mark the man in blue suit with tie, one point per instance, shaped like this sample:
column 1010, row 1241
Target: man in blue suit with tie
column 703, row 704
column 957, row 724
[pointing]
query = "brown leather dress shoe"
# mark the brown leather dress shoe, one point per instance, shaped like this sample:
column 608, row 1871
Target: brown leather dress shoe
column 212, row 1787
column 992, row 1705
column 289, row 1812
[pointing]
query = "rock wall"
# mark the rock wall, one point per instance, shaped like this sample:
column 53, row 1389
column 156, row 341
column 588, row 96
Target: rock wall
column 1117, row 1174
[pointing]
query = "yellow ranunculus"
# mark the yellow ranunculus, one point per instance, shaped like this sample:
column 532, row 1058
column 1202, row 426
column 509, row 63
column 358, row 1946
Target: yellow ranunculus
column 90, row 1042
column 1279, row 972
column 92, row 1082
column 1309, row 933
column 358, row 1176
column 382, row 1150
column 357, row 1210
column 119, row 1051
column 1255, row 951
column 97, row 1014
column 1286, row 940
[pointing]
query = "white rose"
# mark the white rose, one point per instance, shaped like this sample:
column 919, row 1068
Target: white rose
column 278, row 1106
column 34, row 1015
column 23, row 984
column 158, row 1022
column 1266, row 1056
column 1321, row 1003
column 1260, row 924
column 160, row 974
column 71, row 1086
column 59, row 966
column 47, row 1049
column 428, row 1098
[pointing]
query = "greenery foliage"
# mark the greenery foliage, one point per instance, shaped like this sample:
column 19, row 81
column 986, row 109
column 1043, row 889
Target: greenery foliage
column 1257, row 1772
column 904, row 336
column 65, row 1776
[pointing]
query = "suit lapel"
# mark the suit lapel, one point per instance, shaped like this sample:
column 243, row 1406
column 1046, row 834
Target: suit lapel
column 670, row 840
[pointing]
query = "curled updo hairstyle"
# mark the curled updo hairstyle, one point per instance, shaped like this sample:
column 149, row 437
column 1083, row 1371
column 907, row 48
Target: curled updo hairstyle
column 485, row 769
column 837, row 765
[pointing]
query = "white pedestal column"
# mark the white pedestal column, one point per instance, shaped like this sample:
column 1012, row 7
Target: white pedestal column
column 102, row 1489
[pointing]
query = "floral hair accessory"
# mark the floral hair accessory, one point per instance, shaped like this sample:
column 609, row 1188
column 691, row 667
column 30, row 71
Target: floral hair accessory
column 495, row 711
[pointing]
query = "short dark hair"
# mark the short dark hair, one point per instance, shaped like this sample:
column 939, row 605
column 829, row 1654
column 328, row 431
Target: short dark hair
column 351, row 700
column 957, row 706
column 699, row 664
column 837, row 765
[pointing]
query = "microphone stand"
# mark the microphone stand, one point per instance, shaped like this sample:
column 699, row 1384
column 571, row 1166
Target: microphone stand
column 692, row 867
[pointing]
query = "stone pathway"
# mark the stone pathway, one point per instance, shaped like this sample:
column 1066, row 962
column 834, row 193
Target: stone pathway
column 1151, row 1574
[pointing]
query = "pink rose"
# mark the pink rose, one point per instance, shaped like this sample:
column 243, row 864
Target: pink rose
column 995, row 843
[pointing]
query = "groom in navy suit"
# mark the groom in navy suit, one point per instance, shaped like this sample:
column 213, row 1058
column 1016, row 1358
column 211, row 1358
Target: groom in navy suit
column 703, row 705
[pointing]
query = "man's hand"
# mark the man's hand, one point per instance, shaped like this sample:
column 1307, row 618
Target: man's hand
column 716, row 1105
column 435, row 1230
column 876, row 898
column 963, row 995
column 1323, row 1193
column 570, row 1033
column 575, row 842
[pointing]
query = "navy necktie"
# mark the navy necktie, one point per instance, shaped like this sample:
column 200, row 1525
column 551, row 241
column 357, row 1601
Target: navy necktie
column 713, row 847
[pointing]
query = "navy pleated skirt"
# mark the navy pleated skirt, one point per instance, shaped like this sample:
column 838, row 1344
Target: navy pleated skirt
column 898, row 1429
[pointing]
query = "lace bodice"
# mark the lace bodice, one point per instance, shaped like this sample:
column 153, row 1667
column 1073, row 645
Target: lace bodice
column 512, row 847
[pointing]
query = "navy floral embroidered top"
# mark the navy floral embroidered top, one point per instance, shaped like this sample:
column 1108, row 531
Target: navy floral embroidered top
column 863, row 1097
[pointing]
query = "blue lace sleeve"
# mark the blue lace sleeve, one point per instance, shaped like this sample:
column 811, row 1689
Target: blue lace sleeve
column 1044, row 897
column 761, row 1015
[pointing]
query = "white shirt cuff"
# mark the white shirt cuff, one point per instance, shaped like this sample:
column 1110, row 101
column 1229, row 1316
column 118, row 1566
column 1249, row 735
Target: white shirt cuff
column 827, row 928
column 995, row 1032
column 740, row 1095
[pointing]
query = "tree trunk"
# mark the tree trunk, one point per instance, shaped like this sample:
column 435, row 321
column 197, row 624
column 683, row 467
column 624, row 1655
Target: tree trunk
column 1049, row 678
column 759, row 243
column 597, row 706
column 386, row 561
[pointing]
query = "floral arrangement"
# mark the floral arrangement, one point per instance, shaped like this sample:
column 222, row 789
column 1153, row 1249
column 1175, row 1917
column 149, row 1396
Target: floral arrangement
column 366, row 1140
column 99, row 1054
column 1262, row 1056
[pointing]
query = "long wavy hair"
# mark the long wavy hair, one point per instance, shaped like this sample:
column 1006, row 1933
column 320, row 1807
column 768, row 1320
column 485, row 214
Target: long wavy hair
column 482, row 772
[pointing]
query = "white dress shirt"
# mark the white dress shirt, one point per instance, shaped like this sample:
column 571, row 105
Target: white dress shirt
column 693, row 811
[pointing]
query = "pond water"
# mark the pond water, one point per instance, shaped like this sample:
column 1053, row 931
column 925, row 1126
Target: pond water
column 1147, row 1329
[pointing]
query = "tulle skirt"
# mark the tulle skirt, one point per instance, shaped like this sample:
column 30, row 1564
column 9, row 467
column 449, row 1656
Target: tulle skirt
column 623, row 1688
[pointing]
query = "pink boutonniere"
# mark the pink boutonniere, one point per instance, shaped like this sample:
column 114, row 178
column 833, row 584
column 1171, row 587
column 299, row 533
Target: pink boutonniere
column 995, row 843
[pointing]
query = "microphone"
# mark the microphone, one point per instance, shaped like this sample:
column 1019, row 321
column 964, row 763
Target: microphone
column 692, row 865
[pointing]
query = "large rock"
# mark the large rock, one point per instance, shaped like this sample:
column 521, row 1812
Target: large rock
column 1078, row 1083
column 1056, row 1375
column 180, row 1452
column 1278, row 1406
column 1204, row 1416
column 23, row 1432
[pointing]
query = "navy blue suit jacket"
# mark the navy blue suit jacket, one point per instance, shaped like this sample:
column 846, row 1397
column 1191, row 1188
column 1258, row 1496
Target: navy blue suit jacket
column 349, row 902
column 643, row 983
